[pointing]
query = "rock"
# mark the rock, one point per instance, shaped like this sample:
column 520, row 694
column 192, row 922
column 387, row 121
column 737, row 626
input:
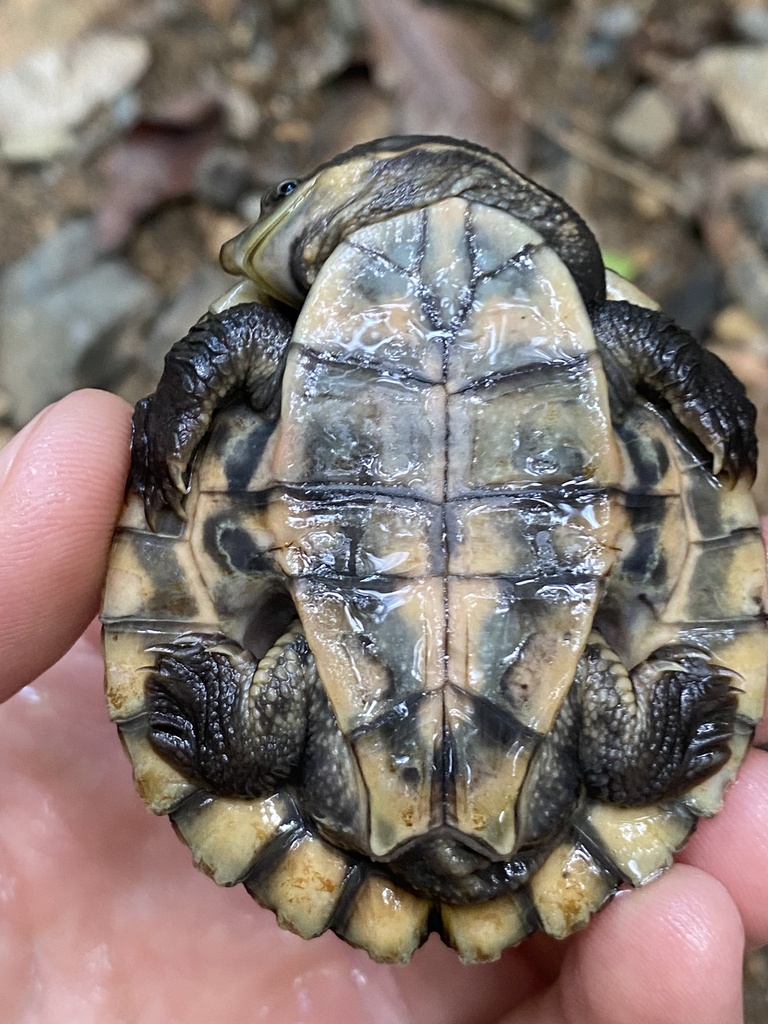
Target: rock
column 736, row 78
column 60, row 307
column 617, row 21
column 249, row 207
column 205, row 285
column 242, row 113
column 60, row 258
column 751, row 203
column 612, row 26
column 696, row 299
column 222, row 175
column 48, row 94
column 751, row 22
column 647, row 124
column 734, row 327
column 30, row 25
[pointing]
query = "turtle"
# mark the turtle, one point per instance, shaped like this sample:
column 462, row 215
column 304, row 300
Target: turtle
column 438, row 600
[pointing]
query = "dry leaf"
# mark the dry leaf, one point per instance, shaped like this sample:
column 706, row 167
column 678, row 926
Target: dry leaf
column 155, row 163
column 443, row 70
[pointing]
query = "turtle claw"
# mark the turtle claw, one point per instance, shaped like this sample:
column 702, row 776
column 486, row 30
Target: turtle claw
column 193, row 644
column 191, row 693
column 174, row 499
column 158, row 465
column 663, row 734
column 731, row 440
column 202, row 720
column 176, row 471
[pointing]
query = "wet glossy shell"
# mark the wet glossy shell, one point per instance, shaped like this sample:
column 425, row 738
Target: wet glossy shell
column 389, row 496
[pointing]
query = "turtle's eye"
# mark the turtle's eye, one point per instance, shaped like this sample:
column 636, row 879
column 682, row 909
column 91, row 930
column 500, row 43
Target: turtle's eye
column 276, row 193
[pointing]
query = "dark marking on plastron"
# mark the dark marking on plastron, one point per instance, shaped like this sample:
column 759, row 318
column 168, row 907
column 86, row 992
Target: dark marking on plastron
column 368, row 286
column 649, row 457
column 399, row 715
column 233, row 548
column 395, row 642
column 529, row 375
column 646, row 561
column 497, row 726
column 444, row 778
column 702, row 497
column 158, row 559
column 245, row 453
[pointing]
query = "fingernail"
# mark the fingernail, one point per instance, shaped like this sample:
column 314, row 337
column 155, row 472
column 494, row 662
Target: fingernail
column 10, row 452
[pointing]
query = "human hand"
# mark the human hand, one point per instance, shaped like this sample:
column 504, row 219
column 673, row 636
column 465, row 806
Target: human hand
column 103, row 918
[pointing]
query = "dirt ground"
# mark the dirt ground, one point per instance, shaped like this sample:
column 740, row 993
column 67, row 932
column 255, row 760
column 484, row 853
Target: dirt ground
column 118, row 186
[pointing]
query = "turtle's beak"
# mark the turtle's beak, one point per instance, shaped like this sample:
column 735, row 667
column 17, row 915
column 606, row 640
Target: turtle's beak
column 261, row 252
column 233, row 252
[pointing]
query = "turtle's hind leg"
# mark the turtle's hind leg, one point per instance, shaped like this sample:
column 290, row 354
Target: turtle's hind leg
column 233, row 724
column 651, row 733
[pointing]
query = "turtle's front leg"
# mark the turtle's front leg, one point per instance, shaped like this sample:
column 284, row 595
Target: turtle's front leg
column 648, row 353
column 233, row 724
column 654, row 732
column 240, row 351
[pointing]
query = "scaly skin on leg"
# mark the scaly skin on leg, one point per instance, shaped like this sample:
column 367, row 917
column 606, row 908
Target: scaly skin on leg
column 234, row 724
column 239, row 351
column 651, row 733
column 646, row 352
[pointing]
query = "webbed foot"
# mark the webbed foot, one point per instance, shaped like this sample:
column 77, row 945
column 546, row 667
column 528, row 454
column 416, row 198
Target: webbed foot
column 656, row 731
column 233, row 724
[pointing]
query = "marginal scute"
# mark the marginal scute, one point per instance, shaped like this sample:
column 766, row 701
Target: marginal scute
column 132, row 591
column 745, row 653
column 721, row 581
column 569, row 887
column 481, row 932
column 228, row 835
column 304, row 886
column 126, row 661
column 639, row 841
column 159, row 784
column 386, row 920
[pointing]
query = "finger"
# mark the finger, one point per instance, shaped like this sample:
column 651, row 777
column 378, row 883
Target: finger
column 733, row 846
column 761, row 733
column 61, row 487
column 667, row 953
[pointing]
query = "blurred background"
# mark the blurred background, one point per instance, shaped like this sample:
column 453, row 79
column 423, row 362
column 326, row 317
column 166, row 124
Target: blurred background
column 136, row 136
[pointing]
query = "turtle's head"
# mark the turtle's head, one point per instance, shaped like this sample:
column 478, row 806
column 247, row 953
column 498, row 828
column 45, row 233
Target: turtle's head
column 302, row 221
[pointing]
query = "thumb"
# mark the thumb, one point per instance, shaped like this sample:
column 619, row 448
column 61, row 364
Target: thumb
column 61, row 488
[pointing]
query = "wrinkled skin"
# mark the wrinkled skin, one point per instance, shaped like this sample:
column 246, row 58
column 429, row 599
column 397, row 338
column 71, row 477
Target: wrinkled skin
column 103, row 918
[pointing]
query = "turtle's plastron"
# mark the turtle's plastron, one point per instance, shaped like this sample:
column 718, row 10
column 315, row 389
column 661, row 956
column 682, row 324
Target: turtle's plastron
column 444, row 620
